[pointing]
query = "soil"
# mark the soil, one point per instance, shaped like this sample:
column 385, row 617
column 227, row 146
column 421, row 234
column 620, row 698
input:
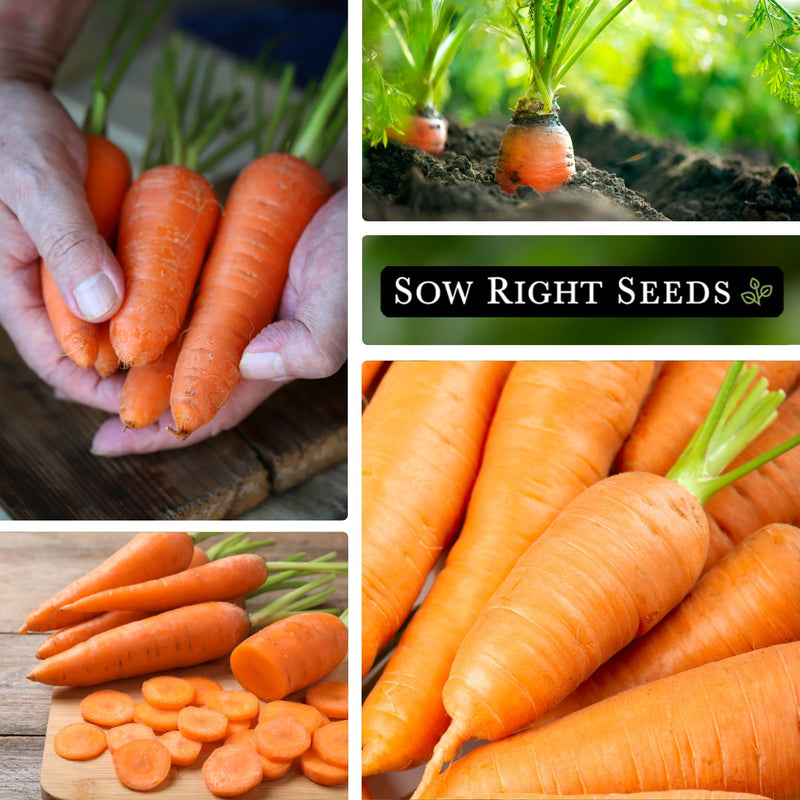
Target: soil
column 619, row 176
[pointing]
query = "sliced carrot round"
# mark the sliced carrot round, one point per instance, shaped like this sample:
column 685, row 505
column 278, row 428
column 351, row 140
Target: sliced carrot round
column 235, row 704
column 122, row 734
column 329, row 697
column 168, row 691
column 282, row 738
column 183, row 752
column 108, row 707
column 272, row 769
column 311, row 717
column 204, row 687
column 202, row 724
column 320, row 771
column 232, row 770
column 80, row 741
column 159, row 719
column 142, row 764
column 330, row 743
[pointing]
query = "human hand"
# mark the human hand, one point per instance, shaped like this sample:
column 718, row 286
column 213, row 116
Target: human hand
column 308, row 340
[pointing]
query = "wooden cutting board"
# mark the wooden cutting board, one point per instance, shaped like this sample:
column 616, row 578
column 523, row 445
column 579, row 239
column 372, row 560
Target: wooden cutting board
column 96, row 780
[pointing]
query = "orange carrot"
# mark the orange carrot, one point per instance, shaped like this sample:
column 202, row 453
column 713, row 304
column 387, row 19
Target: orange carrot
column 239, row 726
column 107, row 361
column 235, row 704
column 218, row 580
column 272, row 769
column 290, row 654
column 71, row 635
column 231, row 770
column 282, row 738
column 159, row 719
column 747, row 600
column 425, row 129
column 557, row 429
column 422, row 439
column 330, row 743
column 369, row 375
column 199, row 557
column 142, row 764
column 108, row 707
column 663, row 794
column 168, row 691
column 330, row 697
column 320, row 771
column 536, row 150
column 177, row 638
column 147, row 555
column 310, row 716
column 129, row 732
column 167, row 222
column 202, row 724
column 644, row 739
column 242, row 281
column 79, row 741
column 182, row 751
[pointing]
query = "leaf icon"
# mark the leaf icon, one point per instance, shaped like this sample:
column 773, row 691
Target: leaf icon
column 766, row 291
column 750, row 298
column 754, row 284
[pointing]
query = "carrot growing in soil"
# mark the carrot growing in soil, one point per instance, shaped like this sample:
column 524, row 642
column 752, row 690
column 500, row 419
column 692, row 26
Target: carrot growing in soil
column 247, row 267
column 556, row 431
column 608, row 569
column 536, row 149
column 422, row 439
column 627, row 743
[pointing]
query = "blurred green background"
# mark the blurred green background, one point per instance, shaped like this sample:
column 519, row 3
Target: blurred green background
column 718, row 250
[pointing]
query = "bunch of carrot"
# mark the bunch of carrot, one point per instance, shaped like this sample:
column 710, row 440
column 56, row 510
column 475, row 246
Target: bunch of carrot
column 596, row 622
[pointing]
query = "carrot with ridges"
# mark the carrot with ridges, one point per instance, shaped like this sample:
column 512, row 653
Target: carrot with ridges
column 71, row 635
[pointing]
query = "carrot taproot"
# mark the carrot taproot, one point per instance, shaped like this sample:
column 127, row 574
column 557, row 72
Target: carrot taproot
column 108, row 707
column 218, row 580
column 320, row 771
column 182, row 751
column 107, row 362
column 625, row 551
column 79, row 741
column 159, row 719
column 176, row 638
column 282, row 738
column 142, row 764
column 166, row 225
column 747, row 600
column 425, row 129
column 67, row 637
column 129, row 732
column 290, row 654
column 330, row 742
column 231, row 770
column 535, row 150
column 235, row 704
column 147, row 555
column 202, row 724
column 310, row 716
column 645, row 738
column 204, row 687
column 242, row 281
column 557, row 429
column 330, row 697
column 422, row 439
column 168, row 692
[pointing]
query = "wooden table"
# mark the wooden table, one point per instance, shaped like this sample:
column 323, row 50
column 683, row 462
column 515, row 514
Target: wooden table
column 32, row 567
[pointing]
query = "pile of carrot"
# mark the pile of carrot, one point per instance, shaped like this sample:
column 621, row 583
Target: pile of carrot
column 605, row 620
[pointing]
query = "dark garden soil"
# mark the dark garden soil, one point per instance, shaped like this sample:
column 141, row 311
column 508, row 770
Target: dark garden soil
column 619, row 176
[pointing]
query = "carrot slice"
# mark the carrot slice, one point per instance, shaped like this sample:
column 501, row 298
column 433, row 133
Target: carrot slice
column 159, row 719
column 183, row 752
column 142, row 764
column 329, row 697
column 235, row 704
column 129, row 732
column 236, row 725
column 232, row 770
column 242, row 736
column 108, row 707
column 320, row 771
column 330, row 743
column 272, row 769
column 80, row 741
column 311, row 717
column 202, row 724
column 282, row 738
column 204, row 687
column 168, row 691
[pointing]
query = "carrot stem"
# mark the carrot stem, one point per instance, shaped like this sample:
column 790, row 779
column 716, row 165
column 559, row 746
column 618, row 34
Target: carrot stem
column 296, row 600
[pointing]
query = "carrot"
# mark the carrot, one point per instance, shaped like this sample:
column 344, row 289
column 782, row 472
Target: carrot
column 232, row 770
column 180, row 637
column 663, row 794
column 218, row 580
column 142, row 764
column 330, row 697
column 168, row 692
column 202, row 724
column 129, row 732
column 79, row 741
column 71, row 635
column 557, row 429
column 235, row 704
column 239, row 726
column 240, row 735
column 681, row 732
column 271, row 770
column 330, row 743
column 199, row 557
column 107, row 361
column 320, row 771
column 425, row 129
column 108, row 707
column 617, row 559
column 282, row 738
column 422, row 439
column 369, row 374
column 290, row 654
column 535, row 150
column 159, row 719
column 310, row 716
column 204, row 688
column 183, row 752
column 147, row 555
column 747, row 600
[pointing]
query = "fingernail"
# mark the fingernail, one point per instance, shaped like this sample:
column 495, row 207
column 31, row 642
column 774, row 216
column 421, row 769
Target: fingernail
column 95, row 296
column 262, row 366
